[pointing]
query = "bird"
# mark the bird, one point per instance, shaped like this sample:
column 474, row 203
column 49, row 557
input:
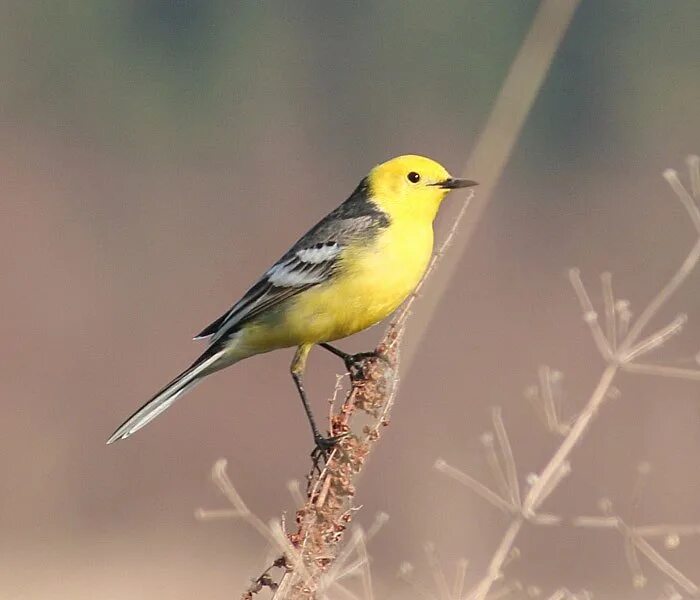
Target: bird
column 350, row 271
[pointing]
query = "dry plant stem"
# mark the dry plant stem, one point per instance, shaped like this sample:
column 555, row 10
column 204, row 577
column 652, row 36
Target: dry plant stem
column 476, row 486
column 494, row 463
column 664, row 566
column 662, row 371
column 508, row 458
column 495, row 568
column 668, row 290
column 655, row 340
column 589, row 314
column 609, row 300
column 549, row 406
column 633, row 561
column 534, row 496
column 664, row 529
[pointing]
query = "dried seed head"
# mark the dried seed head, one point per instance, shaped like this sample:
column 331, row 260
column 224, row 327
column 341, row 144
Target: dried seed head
column 623, row 308
column 590, row 316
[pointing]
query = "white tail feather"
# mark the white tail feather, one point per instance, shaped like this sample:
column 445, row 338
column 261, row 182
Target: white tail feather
column 163, row 399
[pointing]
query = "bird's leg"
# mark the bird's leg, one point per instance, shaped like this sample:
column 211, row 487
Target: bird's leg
column 354, row 363
column 323, row 444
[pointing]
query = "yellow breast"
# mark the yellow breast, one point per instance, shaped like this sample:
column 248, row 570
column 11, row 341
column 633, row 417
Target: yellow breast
column 371, row 283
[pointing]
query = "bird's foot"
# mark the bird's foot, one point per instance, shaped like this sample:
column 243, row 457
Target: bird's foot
column 356, row 363
column 325, row 445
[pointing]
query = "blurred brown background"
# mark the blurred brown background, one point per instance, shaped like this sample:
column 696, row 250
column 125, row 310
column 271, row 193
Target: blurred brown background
column 157, row 156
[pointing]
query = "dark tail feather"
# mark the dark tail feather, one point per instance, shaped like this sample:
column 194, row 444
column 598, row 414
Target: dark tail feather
column 165, row 398
column 212, row 328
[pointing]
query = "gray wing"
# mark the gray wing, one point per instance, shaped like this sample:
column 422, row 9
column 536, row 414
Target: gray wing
column 311, row 261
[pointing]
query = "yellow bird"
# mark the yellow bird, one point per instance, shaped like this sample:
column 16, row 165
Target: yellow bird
column 348, row 272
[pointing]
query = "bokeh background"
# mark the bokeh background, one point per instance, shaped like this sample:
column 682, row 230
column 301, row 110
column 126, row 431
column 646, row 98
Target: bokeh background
column 156, row 156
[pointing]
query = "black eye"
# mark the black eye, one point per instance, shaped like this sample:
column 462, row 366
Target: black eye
column 413, row 177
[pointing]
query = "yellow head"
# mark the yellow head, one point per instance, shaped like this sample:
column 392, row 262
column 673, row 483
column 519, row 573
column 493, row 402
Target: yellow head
column 412, row 186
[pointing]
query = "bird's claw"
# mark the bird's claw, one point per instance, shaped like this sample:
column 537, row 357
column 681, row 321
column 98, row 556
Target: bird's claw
column 325, row 445
column 356, row 363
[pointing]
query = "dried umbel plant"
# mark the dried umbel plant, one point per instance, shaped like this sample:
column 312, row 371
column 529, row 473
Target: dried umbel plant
column 622, row 342
column 351, row 563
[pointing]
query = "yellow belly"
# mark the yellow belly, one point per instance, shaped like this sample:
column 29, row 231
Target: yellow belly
column 369, row 285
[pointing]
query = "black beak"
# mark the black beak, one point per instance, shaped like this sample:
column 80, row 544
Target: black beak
column 452, row 183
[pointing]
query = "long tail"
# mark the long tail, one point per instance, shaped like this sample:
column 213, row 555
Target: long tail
column 184, row 382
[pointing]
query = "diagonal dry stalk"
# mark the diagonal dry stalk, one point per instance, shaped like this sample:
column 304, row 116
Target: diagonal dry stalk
column 619, row 346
